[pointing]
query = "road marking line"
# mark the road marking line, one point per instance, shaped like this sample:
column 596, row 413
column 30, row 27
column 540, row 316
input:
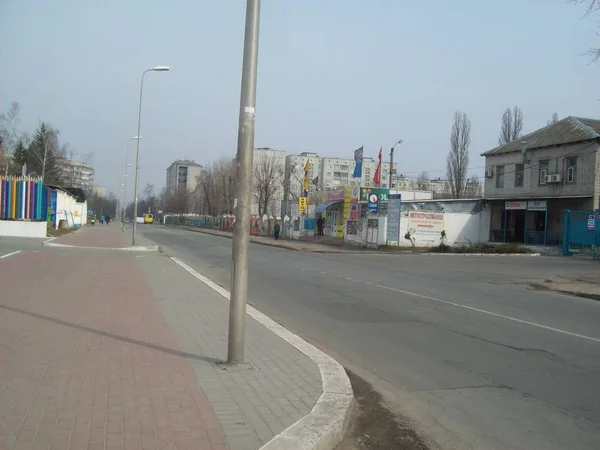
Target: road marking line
column 326, row 422
column 10, row 254
column 483, row 311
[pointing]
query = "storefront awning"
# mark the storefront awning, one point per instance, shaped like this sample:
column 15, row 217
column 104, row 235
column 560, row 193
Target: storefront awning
column 323, row 206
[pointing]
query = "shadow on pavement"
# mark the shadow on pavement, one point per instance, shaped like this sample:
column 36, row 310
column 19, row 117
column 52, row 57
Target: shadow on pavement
column 114, row 336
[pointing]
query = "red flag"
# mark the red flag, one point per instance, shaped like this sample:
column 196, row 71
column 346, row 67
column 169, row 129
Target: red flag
column 377, row 177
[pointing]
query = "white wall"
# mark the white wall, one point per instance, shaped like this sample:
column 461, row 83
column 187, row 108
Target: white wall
column 461, row 229
column 68, row 209
column 413, row 195
column 19, row 228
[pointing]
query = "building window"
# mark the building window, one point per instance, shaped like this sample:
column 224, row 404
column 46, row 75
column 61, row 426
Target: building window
column 499, row 176
column 571, row 169
column 519, row 174
column 543, row 170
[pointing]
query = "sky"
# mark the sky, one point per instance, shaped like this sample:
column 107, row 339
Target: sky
column 333, row 75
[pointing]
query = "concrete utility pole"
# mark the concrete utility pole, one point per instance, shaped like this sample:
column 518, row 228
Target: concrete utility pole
column 245, row 153
column 392, row 162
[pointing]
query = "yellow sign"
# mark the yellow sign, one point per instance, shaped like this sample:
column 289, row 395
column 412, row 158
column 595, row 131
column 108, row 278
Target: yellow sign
column 302, row 201
column 306, row 181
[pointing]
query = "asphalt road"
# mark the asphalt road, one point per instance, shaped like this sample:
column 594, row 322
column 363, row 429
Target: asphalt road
column 10, row 246
column 457, row 344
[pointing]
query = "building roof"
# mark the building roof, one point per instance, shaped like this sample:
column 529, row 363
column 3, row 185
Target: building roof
column 185, row 162
column 565, row 131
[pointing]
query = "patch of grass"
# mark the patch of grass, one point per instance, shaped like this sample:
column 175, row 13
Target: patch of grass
column 503, row 249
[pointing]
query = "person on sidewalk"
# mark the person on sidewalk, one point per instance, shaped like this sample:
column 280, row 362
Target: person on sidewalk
column 276, row 230
column 107, row 220
column 320, row 225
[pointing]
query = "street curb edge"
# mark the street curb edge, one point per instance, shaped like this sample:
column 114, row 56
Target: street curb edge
column 138, row 248
column 324, row 427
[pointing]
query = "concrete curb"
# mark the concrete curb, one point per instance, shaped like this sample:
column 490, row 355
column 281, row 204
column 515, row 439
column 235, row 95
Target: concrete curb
column 580, row 294
column 324, row 427
column 480, row 254
column 135, row 248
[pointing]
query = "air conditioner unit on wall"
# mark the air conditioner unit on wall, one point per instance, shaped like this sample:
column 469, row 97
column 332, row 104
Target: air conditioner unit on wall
column 548, row 178
column 489, row 173
column 557, row 178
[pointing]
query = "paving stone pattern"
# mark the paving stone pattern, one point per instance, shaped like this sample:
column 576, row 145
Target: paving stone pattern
column 109, row 236
column 252, row 404
column 87, row 360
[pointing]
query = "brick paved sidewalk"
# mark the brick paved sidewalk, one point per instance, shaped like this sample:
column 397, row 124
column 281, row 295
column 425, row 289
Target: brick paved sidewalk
column 108, row 236
column 103, row 236
column 89, row 362
column 119, row 350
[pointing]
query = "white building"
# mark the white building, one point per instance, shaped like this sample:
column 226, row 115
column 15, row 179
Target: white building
column 99, row 191
column 183, row 174
column 268, row 178
column 337, row 172
column 294, row 173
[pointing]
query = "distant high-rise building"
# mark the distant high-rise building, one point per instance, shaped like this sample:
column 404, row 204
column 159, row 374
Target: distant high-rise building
column 75, row 174
column 338, row 172
column 294, row 173
column 183, row 174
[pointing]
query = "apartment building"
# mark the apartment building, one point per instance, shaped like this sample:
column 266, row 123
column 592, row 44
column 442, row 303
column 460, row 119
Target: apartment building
column 183, row 174
column 75, row 174
column 531, row 181
column 338, row 172
column 294, row 173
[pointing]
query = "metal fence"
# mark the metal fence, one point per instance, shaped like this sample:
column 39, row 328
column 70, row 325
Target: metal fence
column 259, row 226
column 581, row 233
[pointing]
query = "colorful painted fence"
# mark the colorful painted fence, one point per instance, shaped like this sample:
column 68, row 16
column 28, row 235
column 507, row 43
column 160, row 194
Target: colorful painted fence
column 23, row 198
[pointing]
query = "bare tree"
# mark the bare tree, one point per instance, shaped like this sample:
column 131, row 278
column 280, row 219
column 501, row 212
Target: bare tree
column 206, row 192
column 423, row 181
column 267, row 180
column 553, row 120
column 474, row 188
column 512, row 125
column 178, row 201
column 215, row 190
column 592, row 6
column 8, row 133
column 457, row 161
column 224, row 171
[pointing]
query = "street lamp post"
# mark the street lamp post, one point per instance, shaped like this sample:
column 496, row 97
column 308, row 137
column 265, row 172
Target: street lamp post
column 125, row 175
column 137, row 149
column 392, row 161
column 245, row 150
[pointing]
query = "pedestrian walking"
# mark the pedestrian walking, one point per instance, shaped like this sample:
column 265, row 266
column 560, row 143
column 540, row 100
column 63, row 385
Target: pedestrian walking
column 107, row 220
column 276, row 230
column 320, row 225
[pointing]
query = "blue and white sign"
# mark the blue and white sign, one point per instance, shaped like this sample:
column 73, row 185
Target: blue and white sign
column 591, row 223
column 373, row 204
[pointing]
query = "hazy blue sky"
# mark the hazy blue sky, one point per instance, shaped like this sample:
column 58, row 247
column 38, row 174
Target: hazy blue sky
column 333, row 75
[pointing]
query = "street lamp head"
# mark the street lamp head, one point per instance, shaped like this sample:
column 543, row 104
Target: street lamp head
column 400, row 141
column 161, row 68
column 135, row 137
